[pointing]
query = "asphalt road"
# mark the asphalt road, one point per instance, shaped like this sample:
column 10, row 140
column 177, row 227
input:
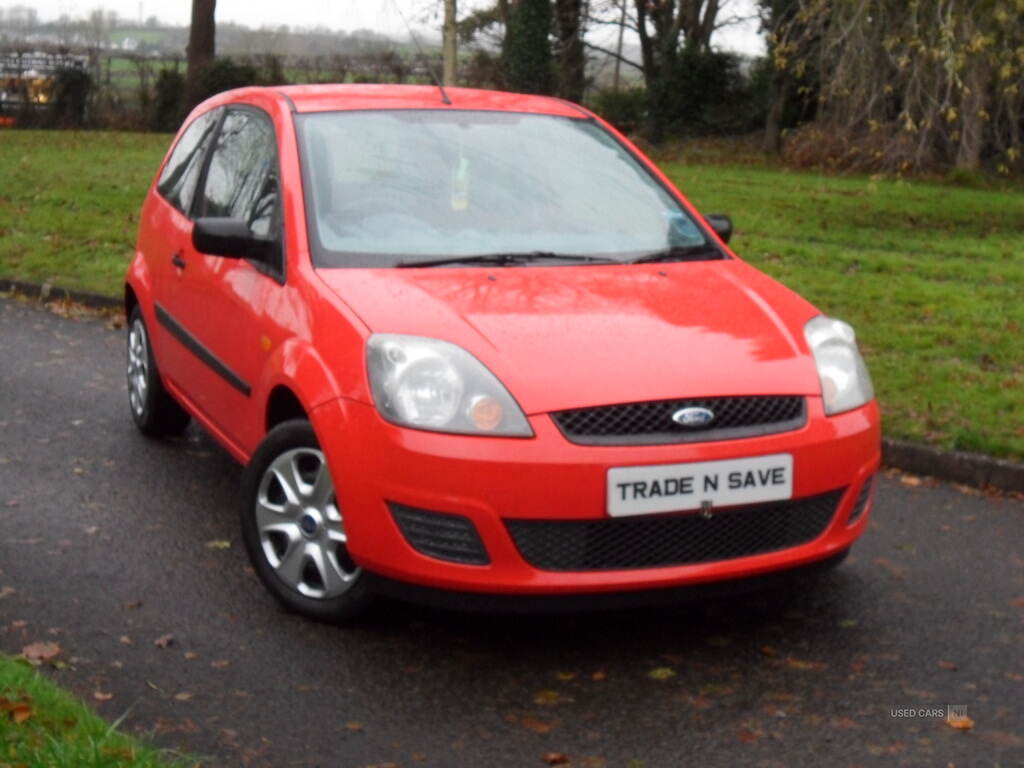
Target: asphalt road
column 110, row 541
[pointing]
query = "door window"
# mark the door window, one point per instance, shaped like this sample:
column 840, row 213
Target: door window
column 241, row 182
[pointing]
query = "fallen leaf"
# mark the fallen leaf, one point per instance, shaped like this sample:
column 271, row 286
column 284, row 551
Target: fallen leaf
column 599, row 675
column 803, row 665
column 555, row 758
column 220, row 663
column 961, row 723
column 164, row 640
column 535, row 725
column 40, row 652
column 91, row 530
column 6, row 592
column 948, row 665
column 102, row 696
column 125, row 640
column 133, row 606
column 183, row 696
column 748, row 736
column 767, row 650
column 1018, row 602
column 911, row 480
column 847, row 623
column 191, row 655
column 661, row 673
column 547, row 698
column 354, row 725
column 895, row 570
column 218, row 544
column 20, row 713
column 565, row 676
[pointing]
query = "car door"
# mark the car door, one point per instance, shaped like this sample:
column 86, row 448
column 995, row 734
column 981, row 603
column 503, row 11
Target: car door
column 165, row 235
column 219, row 314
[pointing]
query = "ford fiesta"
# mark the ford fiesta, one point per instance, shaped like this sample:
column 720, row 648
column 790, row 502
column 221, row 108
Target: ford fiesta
column 475, row 345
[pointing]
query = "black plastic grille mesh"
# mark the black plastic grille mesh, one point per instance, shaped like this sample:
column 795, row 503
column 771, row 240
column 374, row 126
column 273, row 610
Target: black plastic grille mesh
column 650, row 542
column 862, row 500
column 444, row 536
column 651, row 422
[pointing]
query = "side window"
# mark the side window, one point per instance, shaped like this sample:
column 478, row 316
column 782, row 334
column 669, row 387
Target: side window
column 178, row 181
column 241, row 182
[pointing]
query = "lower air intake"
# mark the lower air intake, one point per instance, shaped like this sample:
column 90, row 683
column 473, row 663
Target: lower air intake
column 440, row 535
column 678, row 539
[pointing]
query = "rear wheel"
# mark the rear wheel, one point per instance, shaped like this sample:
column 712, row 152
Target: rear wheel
column 155, row 412
column 293, row 527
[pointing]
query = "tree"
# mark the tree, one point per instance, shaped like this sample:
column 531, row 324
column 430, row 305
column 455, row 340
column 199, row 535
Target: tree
column 526, row 48
column 794, row 90
column 201, row 48
column 911, row 85
column 570, row 63
column 666, row 29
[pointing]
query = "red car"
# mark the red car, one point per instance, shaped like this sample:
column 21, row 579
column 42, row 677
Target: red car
column 475, row 346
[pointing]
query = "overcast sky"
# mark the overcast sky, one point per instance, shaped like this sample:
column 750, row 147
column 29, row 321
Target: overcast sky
column 384, row 16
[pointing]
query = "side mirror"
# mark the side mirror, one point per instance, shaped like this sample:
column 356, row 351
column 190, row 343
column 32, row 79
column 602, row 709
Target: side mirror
column 230, row 238
column 722, row 225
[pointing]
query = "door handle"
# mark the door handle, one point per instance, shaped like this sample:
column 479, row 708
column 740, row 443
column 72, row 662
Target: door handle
column 177, row 261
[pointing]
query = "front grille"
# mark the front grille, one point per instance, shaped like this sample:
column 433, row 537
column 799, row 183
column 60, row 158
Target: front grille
column 651, row 542
column 651, row 423
column 440, row 535
column 862, row 500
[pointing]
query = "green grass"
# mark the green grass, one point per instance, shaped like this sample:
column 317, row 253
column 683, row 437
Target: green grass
column 930, row 275
column 69, row 204
column 60, row 731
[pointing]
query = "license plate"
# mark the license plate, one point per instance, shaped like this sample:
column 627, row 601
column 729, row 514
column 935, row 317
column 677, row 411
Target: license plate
column 681, row 487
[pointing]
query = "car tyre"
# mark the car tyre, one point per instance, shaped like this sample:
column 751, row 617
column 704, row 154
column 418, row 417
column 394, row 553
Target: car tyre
column 154, row 411
column 293, row 528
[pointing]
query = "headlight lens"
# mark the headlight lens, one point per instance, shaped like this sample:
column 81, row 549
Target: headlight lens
column 845, row 381
column 431, row 384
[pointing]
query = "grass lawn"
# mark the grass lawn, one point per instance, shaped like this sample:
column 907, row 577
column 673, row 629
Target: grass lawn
column 41, row 725
column 930, row 275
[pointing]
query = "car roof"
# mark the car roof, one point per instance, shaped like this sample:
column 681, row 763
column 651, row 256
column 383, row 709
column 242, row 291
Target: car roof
column 330, row 98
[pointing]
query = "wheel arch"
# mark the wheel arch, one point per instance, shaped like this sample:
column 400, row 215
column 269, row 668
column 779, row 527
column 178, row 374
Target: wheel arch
column 296, row 381
column 282, row 405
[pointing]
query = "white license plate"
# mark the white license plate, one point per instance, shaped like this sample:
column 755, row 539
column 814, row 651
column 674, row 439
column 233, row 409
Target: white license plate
column 680, row 487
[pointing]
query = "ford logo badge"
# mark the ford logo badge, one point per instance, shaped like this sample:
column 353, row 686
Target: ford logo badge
column 693, row 417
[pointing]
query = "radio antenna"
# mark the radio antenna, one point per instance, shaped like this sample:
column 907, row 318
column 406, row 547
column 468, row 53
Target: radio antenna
column 423, row 56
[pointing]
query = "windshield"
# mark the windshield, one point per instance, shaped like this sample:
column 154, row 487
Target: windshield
column 398, row 187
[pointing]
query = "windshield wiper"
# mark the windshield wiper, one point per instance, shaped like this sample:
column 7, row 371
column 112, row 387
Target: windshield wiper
column 515, row 257
column 682, row 253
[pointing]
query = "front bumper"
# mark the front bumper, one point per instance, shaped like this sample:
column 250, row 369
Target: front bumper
column 493, row 480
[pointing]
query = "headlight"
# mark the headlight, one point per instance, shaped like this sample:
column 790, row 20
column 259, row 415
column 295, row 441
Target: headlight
column 845, row 382
column 431, row 384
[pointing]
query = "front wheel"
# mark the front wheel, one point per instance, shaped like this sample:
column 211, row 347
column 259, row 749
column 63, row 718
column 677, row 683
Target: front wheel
column 293, row 527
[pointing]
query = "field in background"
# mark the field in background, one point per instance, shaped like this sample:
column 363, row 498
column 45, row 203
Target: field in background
column 930, row 275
